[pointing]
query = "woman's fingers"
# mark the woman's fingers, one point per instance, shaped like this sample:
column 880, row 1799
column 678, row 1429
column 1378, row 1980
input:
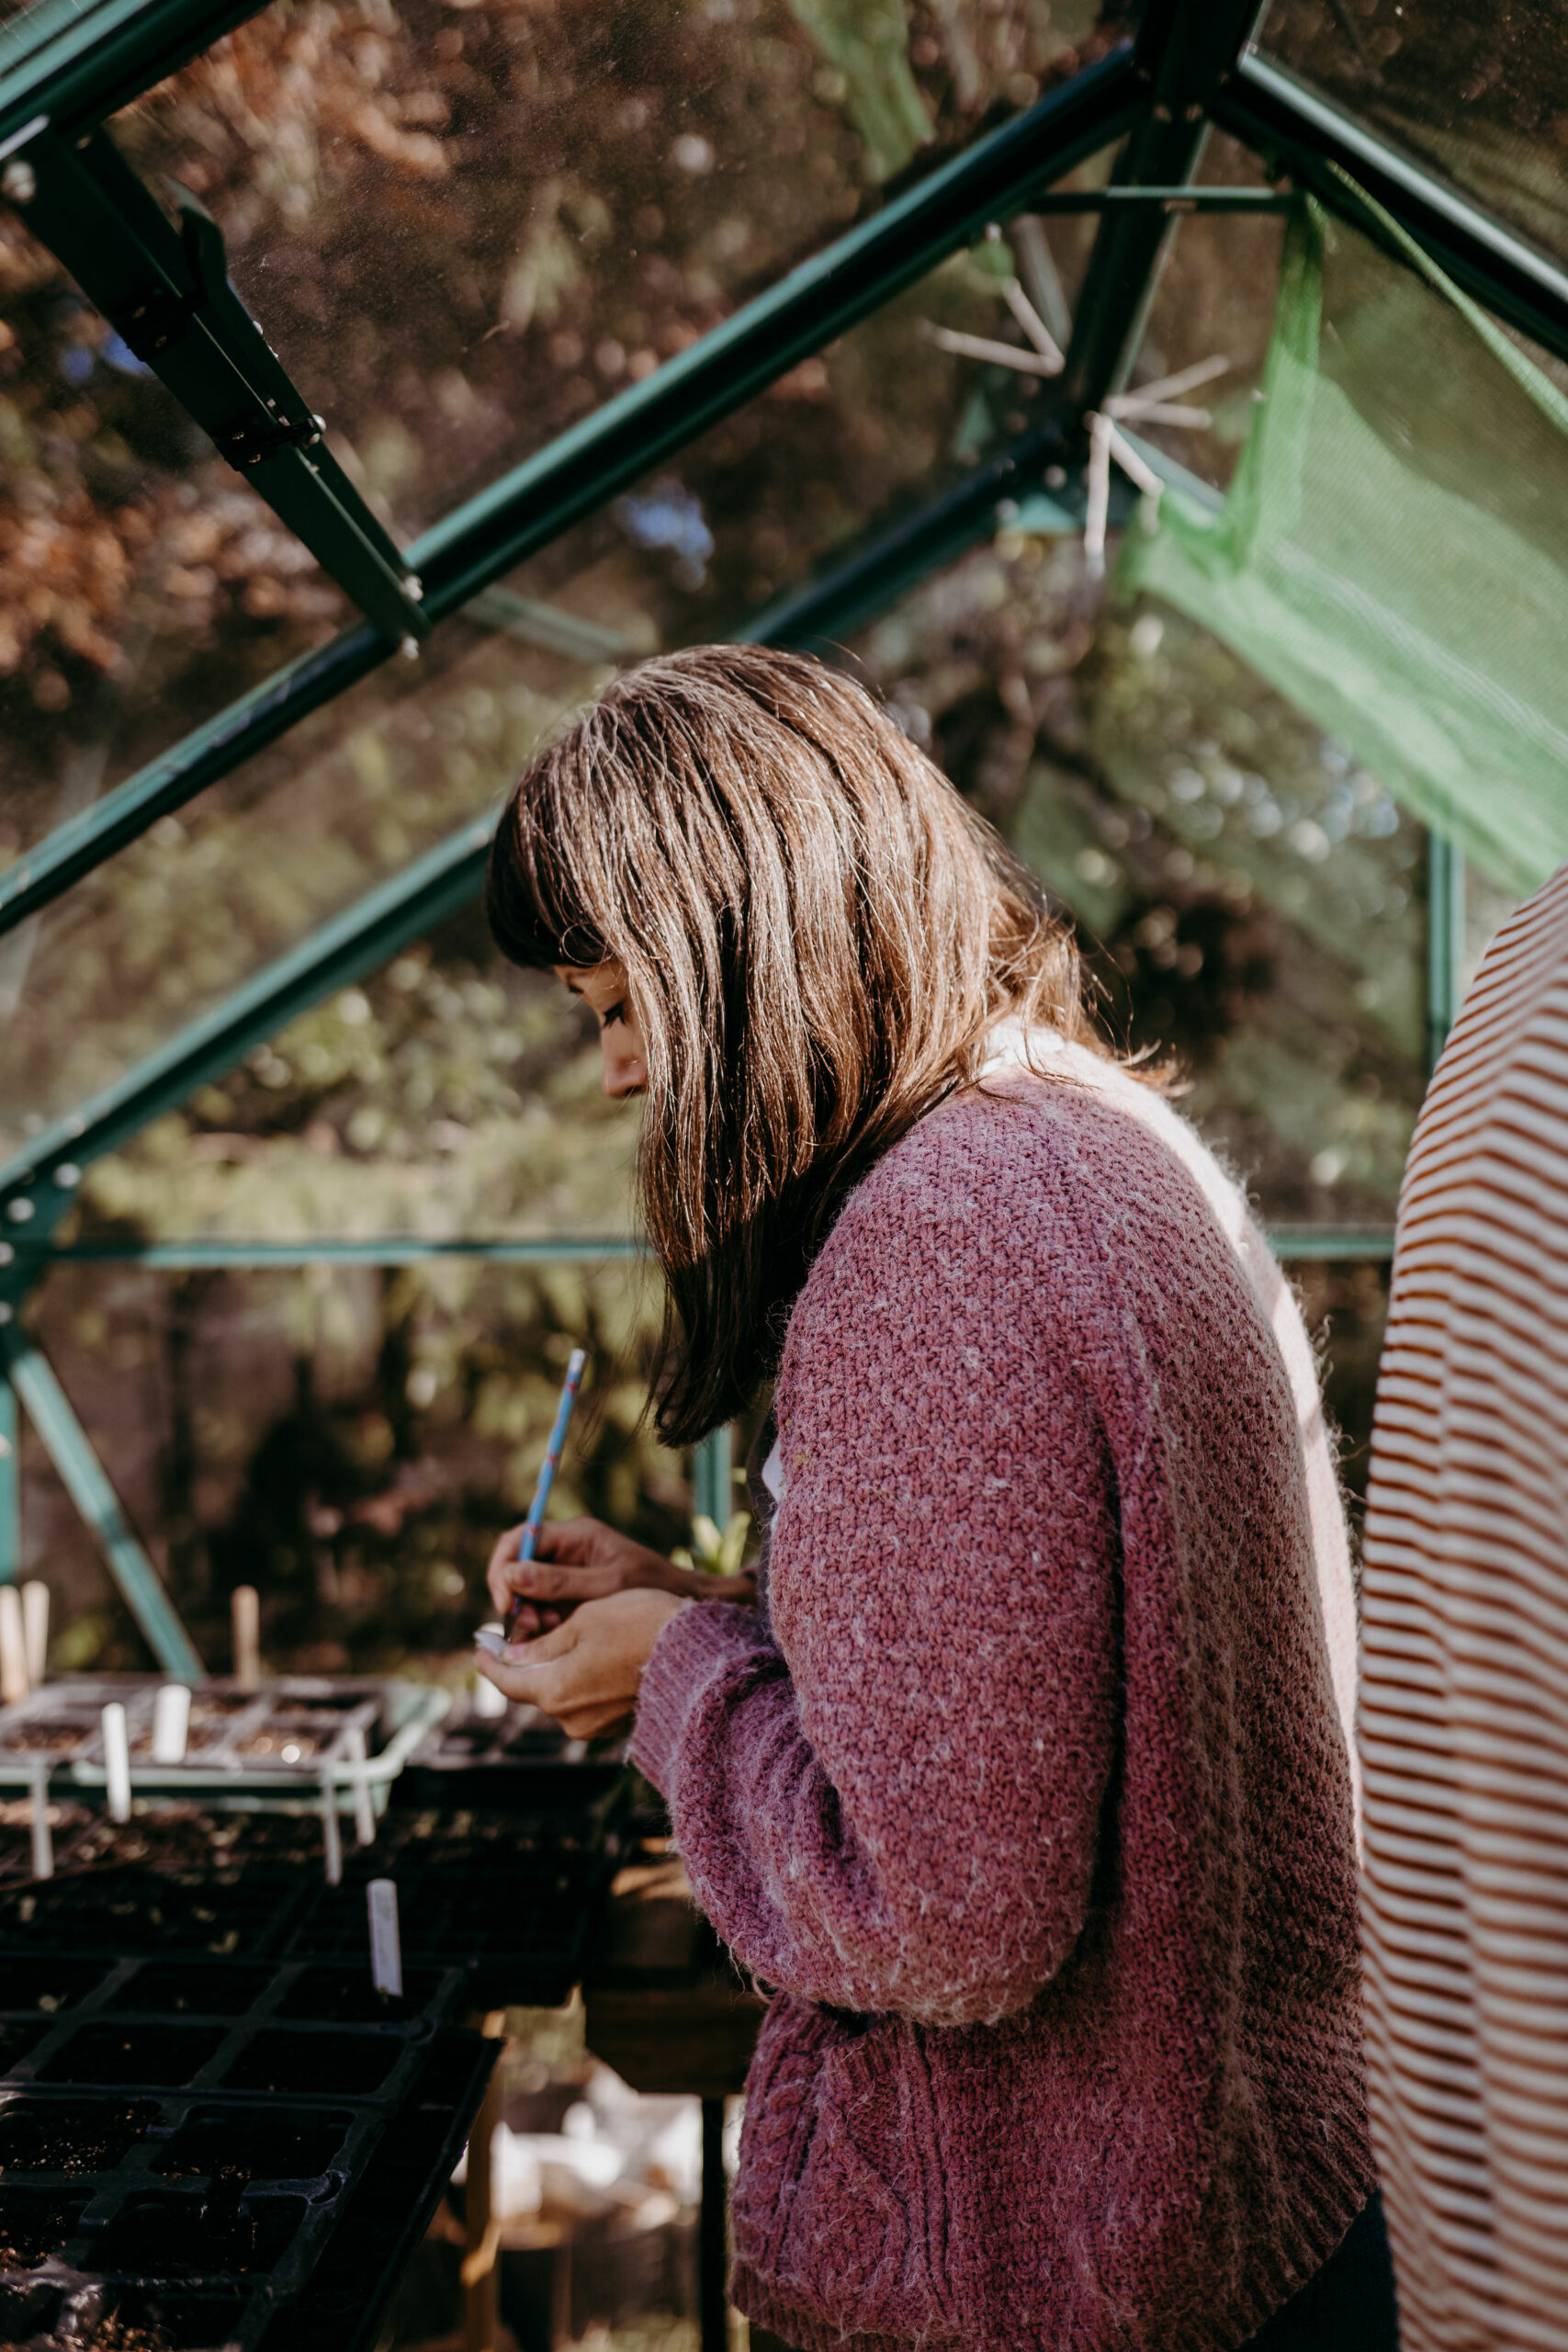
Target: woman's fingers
column 522, row 1669
column 539, row 1579
column 575, row 1559
column 587, row 1671
column 527, row 1622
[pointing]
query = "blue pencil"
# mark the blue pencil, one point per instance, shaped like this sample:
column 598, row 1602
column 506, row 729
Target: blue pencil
column 548, row 1467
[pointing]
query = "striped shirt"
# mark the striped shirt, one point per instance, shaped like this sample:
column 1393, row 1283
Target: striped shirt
column 1464, row 1691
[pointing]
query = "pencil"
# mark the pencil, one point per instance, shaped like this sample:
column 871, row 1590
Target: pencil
column 547, row 1469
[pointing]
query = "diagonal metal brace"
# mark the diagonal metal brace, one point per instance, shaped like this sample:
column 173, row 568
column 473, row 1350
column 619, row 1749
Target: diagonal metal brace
column 64, row 1439
column 166, row 293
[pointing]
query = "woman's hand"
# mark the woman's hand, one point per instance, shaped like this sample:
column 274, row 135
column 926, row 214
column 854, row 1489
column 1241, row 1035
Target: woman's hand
column 587, row 1672
column 581, row 1559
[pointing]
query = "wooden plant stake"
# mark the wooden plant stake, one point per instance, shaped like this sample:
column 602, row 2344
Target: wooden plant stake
column 13, row 1647
column 245, row 1619
column 35, row 1629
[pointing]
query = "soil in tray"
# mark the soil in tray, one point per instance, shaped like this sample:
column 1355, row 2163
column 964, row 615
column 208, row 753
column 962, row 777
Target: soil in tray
column 197, row 1737
column 348, row 1996
column 190, row 1988
column 324, row 2064
column 167, row 2055
column 129, row 1910
column 284, row 1744
column 182, row 1839
column 117, row 2335
column 136, row 2321
column 46, row 1738
column 34, row 2223
column 217, row 1706
column 146, row 2323
column 47, row 1984
column 298, row 2146
column 44, row 2135
column 197, row 2235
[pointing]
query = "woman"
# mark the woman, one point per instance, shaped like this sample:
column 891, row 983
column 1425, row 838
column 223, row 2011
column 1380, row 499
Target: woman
column 1025, row 1786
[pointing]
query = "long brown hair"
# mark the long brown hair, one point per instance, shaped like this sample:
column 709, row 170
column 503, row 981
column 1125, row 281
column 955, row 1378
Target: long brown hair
column 818, row 934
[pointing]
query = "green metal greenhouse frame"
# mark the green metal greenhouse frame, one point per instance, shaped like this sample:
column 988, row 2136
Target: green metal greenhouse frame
column 65, row 66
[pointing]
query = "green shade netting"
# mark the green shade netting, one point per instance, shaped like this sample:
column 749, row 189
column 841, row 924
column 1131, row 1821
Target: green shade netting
column 1393, row 554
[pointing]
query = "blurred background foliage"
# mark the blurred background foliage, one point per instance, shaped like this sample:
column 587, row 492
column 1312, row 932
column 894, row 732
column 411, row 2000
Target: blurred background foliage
column 463, row 227
column 1252, row 903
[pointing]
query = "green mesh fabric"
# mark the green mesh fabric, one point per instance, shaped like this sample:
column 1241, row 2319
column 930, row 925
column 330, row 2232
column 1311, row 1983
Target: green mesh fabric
column 1392, row 553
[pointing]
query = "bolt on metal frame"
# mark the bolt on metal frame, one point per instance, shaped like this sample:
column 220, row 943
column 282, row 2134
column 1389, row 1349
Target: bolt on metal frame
column 65, row 67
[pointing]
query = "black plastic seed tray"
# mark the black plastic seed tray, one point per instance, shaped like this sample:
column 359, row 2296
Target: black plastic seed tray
column 345, row 2306
column 516, row 1900
column 180, row 2142
column 520, row 1760
column 124, row 1908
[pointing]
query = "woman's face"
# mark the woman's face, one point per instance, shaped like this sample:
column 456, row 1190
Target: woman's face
column 602, row 986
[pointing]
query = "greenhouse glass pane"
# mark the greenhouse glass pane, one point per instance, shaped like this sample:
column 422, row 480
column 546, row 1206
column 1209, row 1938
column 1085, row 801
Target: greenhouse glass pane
column 465, row 228
column 1215, row 300
column 143, row 583
column 1478, row 89
column 1487, row 909
column 162, row 932
column 348, row 1440
column 1252, row 901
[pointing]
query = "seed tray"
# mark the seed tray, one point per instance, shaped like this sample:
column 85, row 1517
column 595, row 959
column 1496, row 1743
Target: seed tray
column 114, row 1910
column 513, row 1898
column 517, row 1901
column 272, row 1740
column 67, row 1823
column 179, row 2141
column 344, row 2307
column 519, row 1759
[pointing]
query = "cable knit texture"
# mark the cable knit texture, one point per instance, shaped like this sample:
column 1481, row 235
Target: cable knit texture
column 1033, row 1800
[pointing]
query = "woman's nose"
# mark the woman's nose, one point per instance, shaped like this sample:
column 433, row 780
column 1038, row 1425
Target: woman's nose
column 624, row 1074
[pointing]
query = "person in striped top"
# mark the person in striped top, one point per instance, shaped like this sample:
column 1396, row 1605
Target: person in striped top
column 1464, row 1691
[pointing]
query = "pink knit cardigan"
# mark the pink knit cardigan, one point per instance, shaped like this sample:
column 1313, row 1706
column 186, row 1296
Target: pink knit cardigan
column 1033, row 1802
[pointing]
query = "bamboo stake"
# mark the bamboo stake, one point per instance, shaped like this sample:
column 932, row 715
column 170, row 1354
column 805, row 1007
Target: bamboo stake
column 13, row 1647
column 35, row 1629
column 245, row 1619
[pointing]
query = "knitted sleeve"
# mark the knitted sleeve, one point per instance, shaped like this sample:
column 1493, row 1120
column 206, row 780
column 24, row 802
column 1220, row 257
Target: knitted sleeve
column 896, row 1808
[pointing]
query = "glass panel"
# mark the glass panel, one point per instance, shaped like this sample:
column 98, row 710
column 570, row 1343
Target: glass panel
column 143, row 585
column 45, row 19
column 350, row 1439
column 1476, row 88
column 1345, row 1303
column 164, row 931
column 1251, row 900
column 465, row 228
column 1215, row 300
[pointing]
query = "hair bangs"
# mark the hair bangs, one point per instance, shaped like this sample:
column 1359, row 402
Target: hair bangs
column 534, row 902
